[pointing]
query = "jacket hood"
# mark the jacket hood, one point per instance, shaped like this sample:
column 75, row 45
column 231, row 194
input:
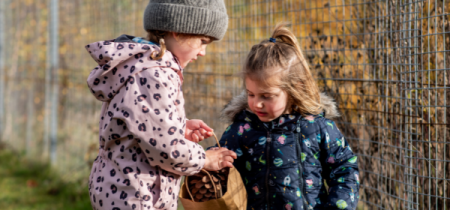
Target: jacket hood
column 118, row 60
column 239, row 103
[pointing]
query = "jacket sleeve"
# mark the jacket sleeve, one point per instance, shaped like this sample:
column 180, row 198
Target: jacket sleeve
column 340, row 168
column 153, row 112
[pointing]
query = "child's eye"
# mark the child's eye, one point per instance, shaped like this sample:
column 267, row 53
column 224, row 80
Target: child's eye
column 206, row 41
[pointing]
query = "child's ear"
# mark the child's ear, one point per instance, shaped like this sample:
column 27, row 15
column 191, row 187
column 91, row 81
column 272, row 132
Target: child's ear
column 174, row 35
column 178, row 37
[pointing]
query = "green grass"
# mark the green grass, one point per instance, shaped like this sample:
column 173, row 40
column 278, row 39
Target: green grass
column 31, row 185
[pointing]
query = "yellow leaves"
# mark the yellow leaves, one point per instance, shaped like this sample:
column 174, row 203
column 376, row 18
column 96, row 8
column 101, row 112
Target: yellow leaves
column 83, row 31
column 40, row 118
column 37, row 100
column 29, row 2
column 63, row 49
column 349, row 98
column 32, row 22
column 44, row 26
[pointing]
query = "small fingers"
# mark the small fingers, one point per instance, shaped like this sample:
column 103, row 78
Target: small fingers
column 214, row 148
column 225, row 164
column 228, row 159
column 203, row 131
column 199, row 136
column 206, row 134
column 226, row 152
column 229, row 153
column 223, row 149
column 194, row 138
column 209, row 134
column 204, row 126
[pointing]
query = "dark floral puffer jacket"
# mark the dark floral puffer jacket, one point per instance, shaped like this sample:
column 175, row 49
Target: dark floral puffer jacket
column 284, row 163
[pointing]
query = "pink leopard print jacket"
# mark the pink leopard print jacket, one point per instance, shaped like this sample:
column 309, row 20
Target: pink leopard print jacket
column 143, row 152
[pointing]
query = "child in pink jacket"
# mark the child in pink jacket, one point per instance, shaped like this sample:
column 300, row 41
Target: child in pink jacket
column 146, row 142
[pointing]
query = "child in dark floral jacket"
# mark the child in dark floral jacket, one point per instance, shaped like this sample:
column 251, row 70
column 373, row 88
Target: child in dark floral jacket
column 286, row 144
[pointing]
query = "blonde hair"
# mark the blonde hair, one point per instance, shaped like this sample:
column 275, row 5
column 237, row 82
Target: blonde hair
column 283, row 60
column 157, row 36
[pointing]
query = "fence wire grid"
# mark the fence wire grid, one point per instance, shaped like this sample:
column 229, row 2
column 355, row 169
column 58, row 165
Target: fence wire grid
column 385, row 62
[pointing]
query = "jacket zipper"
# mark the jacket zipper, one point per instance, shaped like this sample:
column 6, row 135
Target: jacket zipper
column 300, row 171
column 269, row 140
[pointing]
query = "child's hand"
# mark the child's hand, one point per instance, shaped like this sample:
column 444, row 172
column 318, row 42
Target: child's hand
column 217, row 159
column 197, row 130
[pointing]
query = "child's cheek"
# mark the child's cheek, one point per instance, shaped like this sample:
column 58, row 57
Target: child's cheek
column 278, row 109
column 249, row 103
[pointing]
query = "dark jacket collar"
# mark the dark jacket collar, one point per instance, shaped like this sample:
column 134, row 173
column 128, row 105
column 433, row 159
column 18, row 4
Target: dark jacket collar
column 284, row 123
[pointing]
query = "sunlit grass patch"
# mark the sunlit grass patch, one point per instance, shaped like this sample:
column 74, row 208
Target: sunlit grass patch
column 26, row 185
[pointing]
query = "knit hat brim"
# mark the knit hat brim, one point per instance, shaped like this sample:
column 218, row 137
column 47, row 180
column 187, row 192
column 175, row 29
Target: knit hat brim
column 185, row 19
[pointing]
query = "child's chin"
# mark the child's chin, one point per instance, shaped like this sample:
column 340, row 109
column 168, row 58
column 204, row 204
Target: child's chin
column 265, row 119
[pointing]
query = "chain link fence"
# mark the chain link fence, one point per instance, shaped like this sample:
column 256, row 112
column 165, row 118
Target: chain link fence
column 385, row 62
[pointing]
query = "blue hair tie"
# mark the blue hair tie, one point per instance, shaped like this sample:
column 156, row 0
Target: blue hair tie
column 272, row 40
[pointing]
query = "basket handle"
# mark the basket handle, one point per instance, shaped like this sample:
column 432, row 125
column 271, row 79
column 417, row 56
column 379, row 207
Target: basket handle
column 217, row 140
column 210, row 177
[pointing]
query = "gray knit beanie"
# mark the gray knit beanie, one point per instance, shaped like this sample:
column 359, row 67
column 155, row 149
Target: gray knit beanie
column 205, row 17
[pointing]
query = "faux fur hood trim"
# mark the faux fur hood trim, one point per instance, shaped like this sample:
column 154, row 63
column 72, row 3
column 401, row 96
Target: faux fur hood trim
column 239, row 103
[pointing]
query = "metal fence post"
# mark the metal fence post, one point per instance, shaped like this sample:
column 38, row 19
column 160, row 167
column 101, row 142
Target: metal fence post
column 54, row 56
column 46, row 139
column 2, row 66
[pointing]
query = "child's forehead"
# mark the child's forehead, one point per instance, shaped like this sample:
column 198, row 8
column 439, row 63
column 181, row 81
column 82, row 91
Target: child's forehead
column 270, row 76
column 258, row 86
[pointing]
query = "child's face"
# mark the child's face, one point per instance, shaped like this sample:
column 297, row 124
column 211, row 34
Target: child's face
column 268, row 103
column 186, row 49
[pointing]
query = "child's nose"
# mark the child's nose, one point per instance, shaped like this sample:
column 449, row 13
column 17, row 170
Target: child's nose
column 259, row 104
column 202, row 51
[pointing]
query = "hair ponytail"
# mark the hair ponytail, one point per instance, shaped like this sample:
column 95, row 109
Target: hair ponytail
column 281, row 32
column 157, row 37
column 282, row 57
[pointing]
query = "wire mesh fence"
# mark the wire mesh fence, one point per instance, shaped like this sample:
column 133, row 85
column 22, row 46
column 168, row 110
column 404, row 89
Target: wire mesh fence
column 385, row 62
